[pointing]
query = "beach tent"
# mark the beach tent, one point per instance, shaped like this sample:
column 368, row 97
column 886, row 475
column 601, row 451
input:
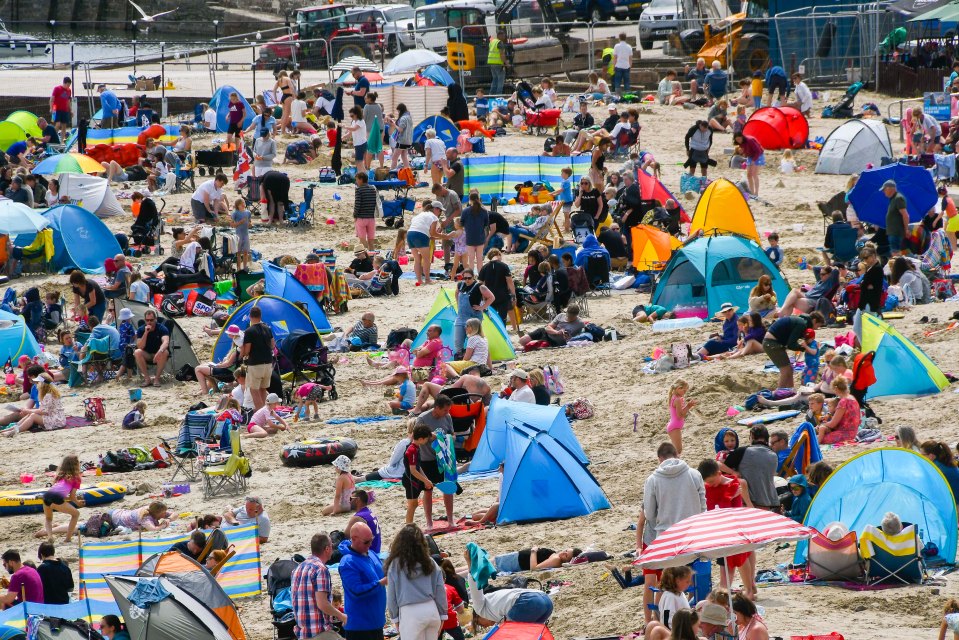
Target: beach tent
column 12, row 633
column 445, row 131
column 281, row 283
column 181, row 348
column 80, row 239
column 551, row 419
column 174, row 615
column 652, row 247
column 443, row 313
column 711, row 270
column 651, row 188
column 27, row 122
column 15, row 338
column 777, row 128
column 902, row 369
column 497, row 176
column 853, row 146
column 862, row 489
column 543, row 480
column 10, row 132
column 90, row 610
column 187, row 574
column 90, row 192
column 723, row 209
column 220, row 102
column 282, row 316
column 914, row 183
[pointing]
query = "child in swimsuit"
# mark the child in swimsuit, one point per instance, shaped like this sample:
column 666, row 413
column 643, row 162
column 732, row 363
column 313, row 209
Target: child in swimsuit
column 679, row 408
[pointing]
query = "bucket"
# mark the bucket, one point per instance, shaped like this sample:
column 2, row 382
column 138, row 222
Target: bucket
column 136, row 395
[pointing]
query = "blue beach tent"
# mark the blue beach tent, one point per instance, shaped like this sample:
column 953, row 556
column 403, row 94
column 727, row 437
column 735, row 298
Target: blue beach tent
column 543, row 480
column 550, row 419
column 712, row 270
column 220, row 103
column 864, row 488
column 16, row 339
column 80, row 239
column 902, row 369
column 281, row 283
column 282, row 316
column 445, row 130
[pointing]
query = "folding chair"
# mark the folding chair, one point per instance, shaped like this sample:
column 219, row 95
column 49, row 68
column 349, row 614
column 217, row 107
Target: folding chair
column 801, row 451
column 549, row 232
column 597, row 274
column 828, row 560
column 185, row 451
column 97, row 357
column 183, row 170
column 835, row 203
column 891, row 559
column 844, row 247
column 226, row 478
column 302, row 213
column 543, row 311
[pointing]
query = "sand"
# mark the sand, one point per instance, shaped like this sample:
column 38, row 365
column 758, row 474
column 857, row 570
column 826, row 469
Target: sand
column 608, row 374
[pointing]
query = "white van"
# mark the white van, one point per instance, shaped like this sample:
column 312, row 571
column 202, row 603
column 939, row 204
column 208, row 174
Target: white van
column 435, row 24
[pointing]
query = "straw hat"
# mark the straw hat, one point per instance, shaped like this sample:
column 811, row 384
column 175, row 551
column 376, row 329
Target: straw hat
column 724, row 307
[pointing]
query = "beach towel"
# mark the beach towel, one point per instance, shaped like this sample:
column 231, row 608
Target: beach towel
column 767, row 418
column 481, row 568
column 377, row 484
column 71, row 422
column 363, row 419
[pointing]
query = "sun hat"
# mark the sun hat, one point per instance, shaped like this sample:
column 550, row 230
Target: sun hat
column 835, row 531
column 273, row 399
column 726, row 306
column 712, row 613
column 126, row 314
column 400, row 369
column 519, row 373
column 233, row 330
column 342, row 463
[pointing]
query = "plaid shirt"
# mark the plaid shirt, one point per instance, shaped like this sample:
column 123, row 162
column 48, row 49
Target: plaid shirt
column 308, row 578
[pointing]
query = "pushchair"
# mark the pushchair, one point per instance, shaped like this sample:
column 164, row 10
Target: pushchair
column 302, row 354
column 469, row 419
column 279, row 579
column 147, row 230
column 583, row 226
column 844, row 108
column 539, row 122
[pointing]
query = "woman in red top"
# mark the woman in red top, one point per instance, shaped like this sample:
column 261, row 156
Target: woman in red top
column 755, row 158
column 728, row 492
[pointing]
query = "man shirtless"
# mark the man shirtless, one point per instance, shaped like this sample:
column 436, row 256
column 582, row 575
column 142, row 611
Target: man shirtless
column 474, row 385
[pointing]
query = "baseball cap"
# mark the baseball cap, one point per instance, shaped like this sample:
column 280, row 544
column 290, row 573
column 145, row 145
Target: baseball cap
column 436, row 204
column 273, row 399
column 889, row 184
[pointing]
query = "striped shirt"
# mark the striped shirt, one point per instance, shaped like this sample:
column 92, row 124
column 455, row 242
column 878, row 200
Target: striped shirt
column 364, row 203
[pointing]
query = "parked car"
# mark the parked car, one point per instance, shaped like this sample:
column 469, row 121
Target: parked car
column 391, row 21
column 659, row 20
column 328, row 22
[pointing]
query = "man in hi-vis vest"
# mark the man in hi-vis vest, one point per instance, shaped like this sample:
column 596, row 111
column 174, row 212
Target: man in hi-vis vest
column 496, row 60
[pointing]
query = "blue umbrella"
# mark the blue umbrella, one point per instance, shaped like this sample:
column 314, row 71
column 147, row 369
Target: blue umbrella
column 914, row 183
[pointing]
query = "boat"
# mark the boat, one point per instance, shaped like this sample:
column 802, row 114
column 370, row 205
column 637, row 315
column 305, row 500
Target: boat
column 19, row 45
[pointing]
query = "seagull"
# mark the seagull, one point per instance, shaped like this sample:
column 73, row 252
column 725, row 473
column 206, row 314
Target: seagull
column 145, row 17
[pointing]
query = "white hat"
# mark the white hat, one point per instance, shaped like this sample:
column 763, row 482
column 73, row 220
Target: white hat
column 519, row 373
column 125, row 314
column 342, row 463
column 273, row 399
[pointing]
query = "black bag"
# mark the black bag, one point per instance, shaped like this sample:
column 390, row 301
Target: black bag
column 596, row 332
column 397, row 336
column 119, row 462
column 136, row 173
column 186, row 373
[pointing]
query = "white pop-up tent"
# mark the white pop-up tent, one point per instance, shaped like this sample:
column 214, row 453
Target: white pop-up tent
column 91, row 193
column 852, row 146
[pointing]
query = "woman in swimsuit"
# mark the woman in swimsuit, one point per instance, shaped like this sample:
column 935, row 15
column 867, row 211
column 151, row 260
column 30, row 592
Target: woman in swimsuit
column 285, row 98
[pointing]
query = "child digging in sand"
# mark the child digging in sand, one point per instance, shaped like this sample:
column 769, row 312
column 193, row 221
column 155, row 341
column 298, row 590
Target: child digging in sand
column 266, row 421
column 308, row 395
column 134, row 419
column 679, row 408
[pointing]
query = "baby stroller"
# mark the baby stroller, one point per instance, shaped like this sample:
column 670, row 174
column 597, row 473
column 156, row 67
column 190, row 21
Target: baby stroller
column 279, row 578
column 539, row 122
column 307, row 358
column 147, row 230
column 843, row 109
column 583, row 226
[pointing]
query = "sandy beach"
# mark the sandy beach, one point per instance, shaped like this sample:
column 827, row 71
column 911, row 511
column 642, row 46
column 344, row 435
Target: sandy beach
column 609, row 374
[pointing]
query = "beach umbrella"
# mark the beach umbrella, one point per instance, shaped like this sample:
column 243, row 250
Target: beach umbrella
column 347, row 77
column 68, row 163
column 938, row 11
column 413, row 59
column 914, row 183
column 347, row 64
column 17, row 218
column 719, row 533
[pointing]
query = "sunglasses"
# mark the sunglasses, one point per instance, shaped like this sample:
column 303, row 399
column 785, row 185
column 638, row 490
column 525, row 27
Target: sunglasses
column 367, row 541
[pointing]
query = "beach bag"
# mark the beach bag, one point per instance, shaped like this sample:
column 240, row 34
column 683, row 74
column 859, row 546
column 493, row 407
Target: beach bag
column 186, row 373
column 397, row 336
column 479, row 144
column 943, row 289
column 327, row 175
column 99, row 525
column 93, row 410
column 682, row 354
column 552, row 379
column 580, row 409
column 420, row 375
column 119, row 462
column 381, row 174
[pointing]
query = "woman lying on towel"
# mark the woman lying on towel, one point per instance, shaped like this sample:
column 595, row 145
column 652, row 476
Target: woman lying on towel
column 534, row 559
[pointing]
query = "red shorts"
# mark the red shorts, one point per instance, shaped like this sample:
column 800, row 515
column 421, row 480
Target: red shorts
column 365, row 228
column 653, row 572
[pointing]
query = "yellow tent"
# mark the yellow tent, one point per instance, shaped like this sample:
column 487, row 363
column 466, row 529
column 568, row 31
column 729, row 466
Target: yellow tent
column 443, row 313
column 652, row 247
column 723, row 209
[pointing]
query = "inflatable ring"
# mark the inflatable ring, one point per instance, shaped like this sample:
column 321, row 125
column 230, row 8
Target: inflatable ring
column 23, row 501
column 316, row 451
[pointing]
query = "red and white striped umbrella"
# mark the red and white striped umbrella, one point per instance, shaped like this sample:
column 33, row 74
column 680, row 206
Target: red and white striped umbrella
column 719, row 533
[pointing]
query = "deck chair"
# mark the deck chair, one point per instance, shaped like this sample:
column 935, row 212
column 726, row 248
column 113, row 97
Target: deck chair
column 549, row 233
column 891, row 559
column 184, row 172
column 835, row 203
column 97, row 357
column 838, row 560
column 803, row 451
column 226, row 478
column 542, row 311
column 844, row 248
column 185, row 451
column 597, row 274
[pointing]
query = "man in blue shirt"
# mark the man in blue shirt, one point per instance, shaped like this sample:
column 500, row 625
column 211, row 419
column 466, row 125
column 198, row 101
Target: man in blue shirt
column 716, row 82
column 110, row 105
column 364, row 586
column 776, row 80
column 360, row 89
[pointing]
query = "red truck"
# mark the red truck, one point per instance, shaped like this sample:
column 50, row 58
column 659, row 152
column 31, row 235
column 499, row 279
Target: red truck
column 328, row 22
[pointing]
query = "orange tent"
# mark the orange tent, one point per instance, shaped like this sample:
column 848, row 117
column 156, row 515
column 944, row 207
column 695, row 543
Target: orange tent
column 652, row 247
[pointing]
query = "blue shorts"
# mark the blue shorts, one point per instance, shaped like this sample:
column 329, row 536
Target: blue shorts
column 507, row 562
column 417, row 240
column 406, row 406
column 64, row 117
column 531, row 606
column 360, row 151
column 895, row 243
column 759, row 162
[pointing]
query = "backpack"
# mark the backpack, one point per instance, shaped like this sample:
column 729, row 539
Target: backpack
column 99, row 525
column 553, row 381
column 348, row 176
column 397, row 336
column 580, row 409
column 118, row 462
column 185, row 373
column 595, row 331
column 682, row 354
column 93, row 410
column 327, row 175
